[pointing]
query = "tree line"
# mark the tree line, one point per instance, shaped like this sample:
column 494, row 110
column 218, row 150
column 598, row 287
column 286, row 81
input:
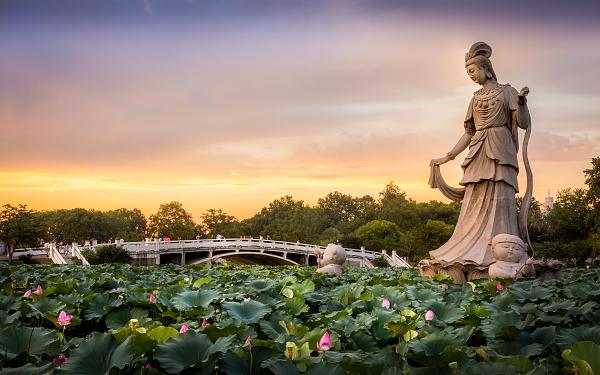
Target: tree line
column 569, row 231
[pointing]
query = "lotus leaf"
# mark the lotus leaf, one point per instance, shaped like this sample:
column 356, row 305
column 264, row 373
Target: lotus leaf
column 585, row 356
column 192, row 299
column 28, row 369
column 261, row 285
column 445, row 312
column 47, row 306
column 5, row 318
column 365, row 342
column 162, row 334
column 33, row 341
column 98, row 354
column 569, row 337
column 246, row 312
column 99, row 305
column 188, row 350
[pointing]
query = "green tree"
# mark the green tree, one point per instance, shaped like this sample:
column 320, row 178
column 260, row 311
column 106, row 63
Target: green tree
column 397, row 208
column 76, row 225
column 379, row 234
column 20, row 226
column 218, row 222
column 172, row 221
column 337, row 207
column 285, row 219
column 129, row 225
column 567, row 218
column 417, row 242
column 435, row 210
column 536, row 221
column 592, row 180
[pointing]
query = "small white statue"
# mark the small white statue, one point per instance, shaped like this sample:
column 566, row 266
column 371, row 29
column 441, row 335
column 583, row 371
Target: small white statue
column 333, row 259
column 511, row 257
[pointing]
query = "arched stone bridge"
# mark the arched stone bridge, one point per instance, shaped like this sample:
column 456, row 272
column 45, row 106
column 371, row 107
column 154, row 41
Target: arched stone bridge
column 241, row 251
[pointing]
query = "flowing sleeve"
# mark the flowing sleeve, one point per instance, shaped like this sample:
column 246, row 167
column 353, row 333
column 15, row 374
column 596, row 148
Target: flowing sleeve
column 512, row 98
column 511, row 95
column 469, row 122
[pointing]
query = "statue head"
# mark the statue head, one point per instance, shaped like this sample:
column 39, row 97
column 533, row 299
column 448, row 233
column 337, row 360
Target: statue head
column 334, row 254
column 508, row 248
column 478, row 64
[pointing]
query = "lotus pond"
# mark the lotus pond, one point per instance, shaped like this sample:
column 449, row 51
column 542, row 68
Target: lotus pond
column 289, row 320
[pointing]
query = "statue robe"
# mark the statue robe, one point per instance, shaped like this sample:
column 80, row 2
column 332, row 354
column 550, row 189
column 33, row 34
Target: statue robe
column 490, row 179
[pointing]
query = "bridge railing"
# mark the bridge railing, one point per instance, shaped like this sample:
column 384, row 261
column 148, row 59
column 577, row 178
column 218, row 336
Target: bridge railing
column 78, row 254
column 54, row 254
column 365, row 257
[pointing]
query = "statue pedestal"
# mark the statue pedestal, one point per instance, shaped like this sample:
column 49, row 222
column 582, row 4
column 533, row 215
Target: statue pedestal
column 461, row 273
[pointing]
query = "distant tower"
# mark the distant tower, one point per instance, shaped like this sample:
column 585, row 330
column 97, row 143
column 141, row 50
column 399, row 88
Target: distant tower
column 548, row 203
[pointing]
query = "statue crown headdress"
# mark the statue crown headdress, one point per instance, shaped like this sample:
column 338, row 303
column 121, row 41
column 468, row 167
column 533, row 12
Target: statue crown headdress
column 478, row 49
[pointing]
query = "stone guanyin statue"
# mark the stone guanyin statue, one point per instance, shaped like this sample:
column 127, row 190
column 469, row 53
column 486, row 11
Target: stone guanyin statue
column 489, row 181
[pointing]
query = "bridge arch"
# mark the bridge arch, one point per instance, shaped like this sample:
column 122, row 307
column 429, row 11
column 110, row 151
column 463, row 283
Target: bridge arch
column 247, row 257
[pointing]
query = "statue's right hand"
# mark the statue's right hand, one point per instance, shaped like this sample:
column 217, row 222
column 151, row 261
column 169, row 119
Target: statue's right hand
column 439, row 161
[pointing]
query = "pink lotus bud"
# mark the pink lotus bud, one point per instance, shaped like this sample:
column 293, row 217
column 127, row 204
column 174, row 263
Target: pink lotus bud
column 247, row 299
column 148, row 365
column 500, row 287
column 39, row 290
column 247, row 342
column 325, row 342
column 429, row 315
column 58, row 361
column 204, row 323
column 385, row 303
column 152, row 298
column 184, row 328
column 64, row 319
column 27, row 293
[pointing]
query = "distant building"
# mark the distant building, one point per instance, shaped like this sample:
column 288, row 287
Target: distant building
column 548, row 204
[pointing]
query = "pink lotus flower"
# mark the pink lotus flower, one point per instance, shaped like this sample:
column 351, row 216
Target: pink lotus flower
column 59, row 360
column 39, row 290
column 499, row 287
column 148, row 365
column 429, row 315
column 204, row 323
column 152, row 298
column 247, row 299
column 385, row 303
column 247, row 342
column 64, row 319
column 27, row 293
column 325, row 342
column 184, row 328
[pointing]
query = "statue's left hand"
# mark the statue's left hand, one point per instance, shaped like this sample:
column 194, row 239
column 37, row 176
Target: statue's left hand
column 523, row 95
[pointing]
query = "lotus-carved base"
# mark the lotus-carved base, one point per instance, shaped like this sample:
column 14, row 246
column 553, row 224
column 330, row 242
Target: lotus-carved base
column 461, row 273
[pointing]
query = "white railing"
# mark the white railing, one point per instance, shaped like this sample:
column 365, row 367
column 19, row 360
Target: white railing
column 365, row 257
column 54, row 254
column 235, row 244
column 78, row 254
column 396, row 260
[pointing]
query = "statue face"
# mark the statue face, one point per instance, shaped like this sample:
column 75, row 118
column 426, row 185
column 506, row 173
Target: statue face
column 508, row 251
column 477, row 73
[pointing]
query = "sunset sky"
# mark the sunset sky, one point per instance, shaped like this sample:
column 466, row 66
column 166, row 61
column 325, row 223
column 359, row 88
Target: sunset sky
column 231, row 104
